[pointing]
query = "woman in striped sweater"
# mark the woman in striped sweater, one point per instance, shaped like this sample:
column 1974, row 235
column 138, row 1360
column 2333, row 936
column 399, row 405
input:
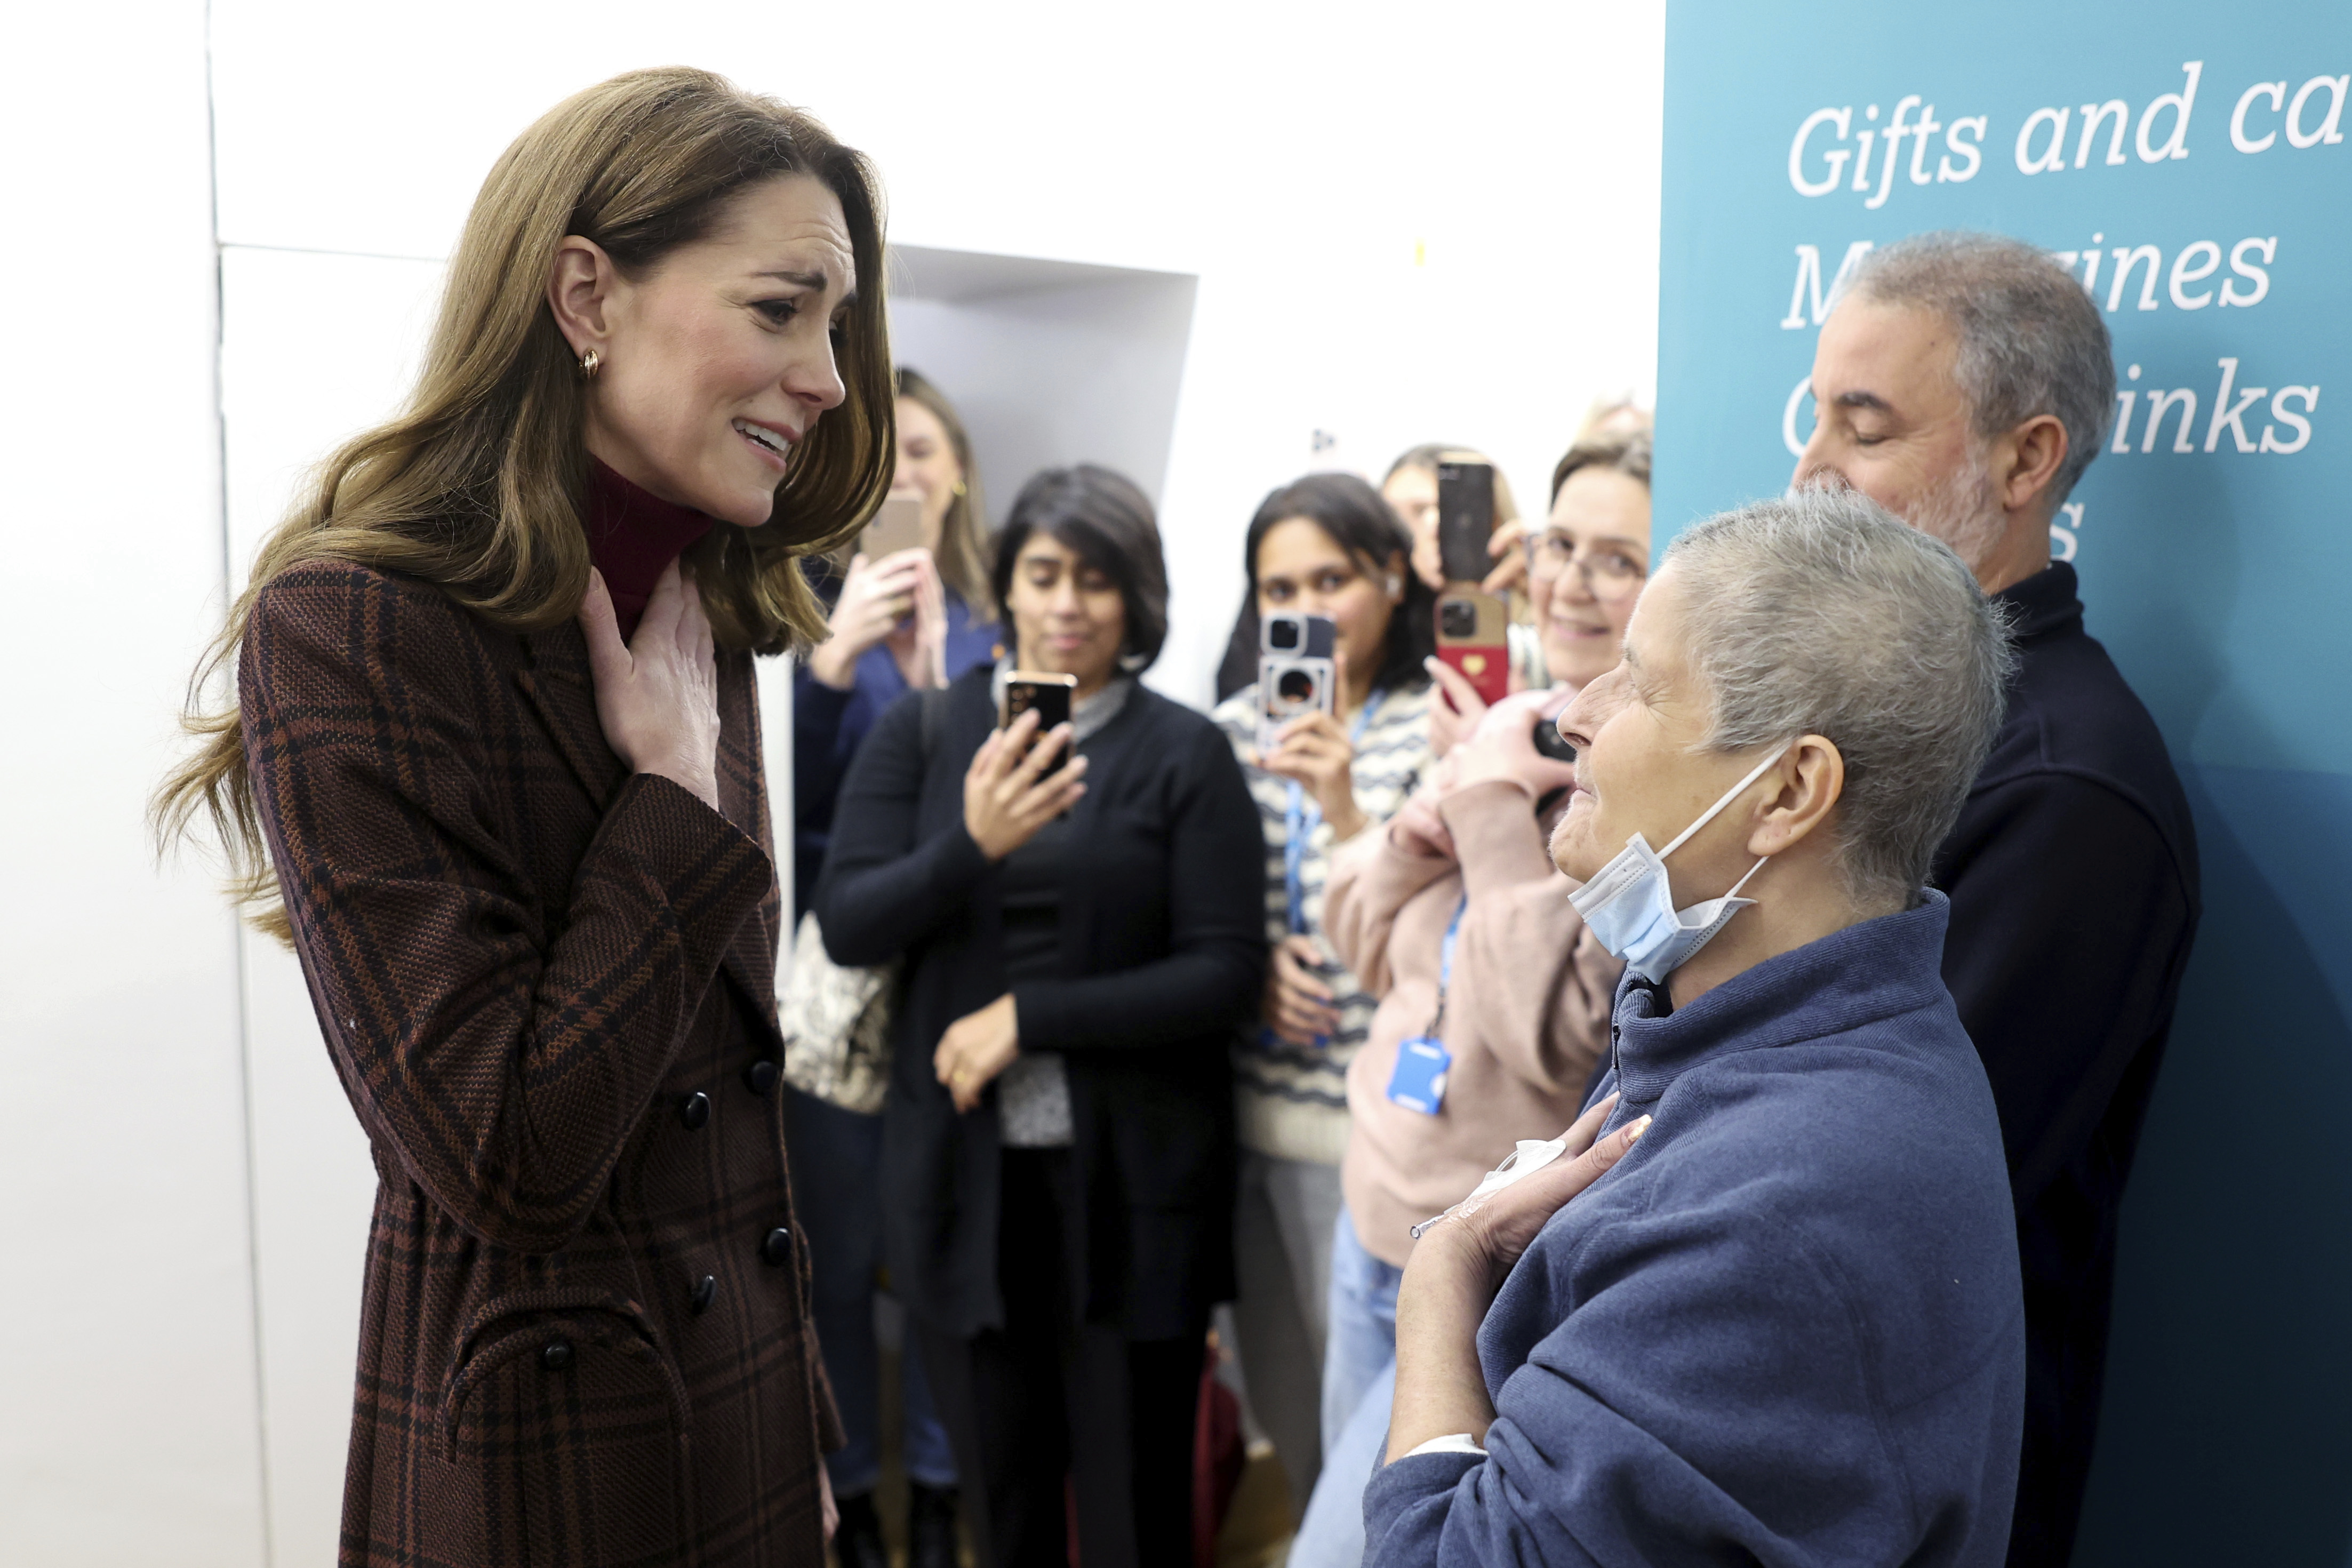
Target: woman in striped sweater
column 1327, row 546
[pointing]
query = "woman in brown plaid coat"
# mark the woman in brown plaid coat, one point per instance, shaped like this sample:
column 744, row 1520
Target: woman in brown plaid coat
column 527, row 863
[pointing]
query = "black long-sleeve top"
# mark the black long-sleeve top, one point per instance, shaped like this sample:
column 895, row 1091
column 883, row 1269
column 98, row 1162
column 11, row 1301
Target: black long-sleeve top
column 2073, row 876
column 1163, row 955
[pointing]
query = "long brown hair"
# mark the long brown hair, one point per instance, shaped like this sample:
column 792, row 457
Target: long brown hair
column 962, row 556
column 477, row 484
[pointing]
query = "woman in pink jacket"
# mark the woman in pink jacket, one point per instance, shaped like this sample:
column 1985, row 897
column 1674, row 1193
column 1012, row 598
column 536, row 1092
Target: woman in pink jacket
column 1494, row 999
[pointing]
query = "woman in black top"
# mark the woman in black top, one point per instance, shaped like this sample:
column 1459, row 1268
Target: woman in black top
column 1079, row 943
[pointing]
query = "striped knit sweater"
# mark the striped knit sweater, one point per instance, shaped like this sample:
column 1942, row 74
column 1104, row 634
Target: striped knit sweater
column 1292, row 1099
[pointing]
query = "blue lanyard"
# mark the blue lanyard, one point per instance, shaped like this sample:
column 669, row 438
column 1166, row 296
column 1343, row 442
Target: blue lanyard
column 1300, row 819
column 1445, row 962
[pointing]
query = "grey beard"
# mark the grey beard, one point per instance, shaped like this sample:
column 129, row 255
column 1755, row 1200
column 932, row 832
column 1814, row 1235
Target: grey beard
column 1963, row 510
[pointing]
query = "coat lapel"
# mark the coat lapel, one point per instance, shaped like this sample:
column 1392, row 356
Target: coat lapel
column 559, row 685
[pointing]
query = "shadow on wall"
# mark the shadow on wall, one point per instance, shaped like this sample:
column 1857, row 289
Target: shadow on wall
column 2227, row 1434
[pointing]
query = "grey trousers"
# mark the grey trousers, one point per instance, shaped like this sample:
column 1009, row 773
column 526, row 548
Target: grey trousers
column 1282, row 1253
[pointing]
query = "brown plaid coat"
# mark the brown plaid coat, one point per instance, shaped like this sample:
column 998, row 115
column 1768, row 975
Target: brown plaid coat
column 548, row 988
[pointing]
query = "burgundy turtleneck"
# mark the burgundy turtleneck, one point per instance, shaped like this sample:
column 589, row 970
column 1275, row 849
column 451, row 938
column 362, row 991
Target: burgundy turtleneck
column 632, row 535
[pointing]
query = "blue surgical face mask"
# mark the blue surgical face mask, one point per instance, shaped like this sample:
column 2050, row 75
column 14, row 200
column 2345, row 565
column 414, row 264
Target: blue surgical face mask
column 1630, row 905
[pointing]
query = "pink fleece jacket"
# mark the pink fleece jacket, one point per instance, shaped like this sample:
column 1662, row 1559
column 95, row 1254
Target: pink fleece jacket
column 1526, row 1014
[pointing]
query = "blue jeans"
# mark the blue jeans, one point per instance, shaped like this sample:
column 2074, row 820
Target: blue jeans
column 836, row 1163
column 1358, row 1387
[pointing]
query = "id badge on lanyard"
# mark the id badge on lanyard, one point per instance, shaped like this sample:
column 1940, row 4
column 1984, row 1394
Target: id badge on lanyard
column 1417, row 1082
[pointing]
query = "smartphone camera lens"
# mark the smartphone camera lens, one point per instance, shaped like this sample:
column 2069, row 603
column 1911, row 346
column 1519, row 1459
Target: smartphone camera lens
column 1294, row 686
column 1282, row 635
column 1458, row 618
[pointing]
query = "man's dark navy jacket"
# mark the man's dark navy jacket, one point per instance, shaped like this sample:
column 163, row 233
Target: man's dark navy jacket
column 2073, row 876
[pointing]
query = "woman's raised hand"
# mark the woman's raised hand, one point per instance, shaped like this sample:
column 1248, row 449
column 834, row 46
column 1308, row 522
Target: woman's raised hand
column 1005, row 799
column 1508, row 546
column 918, row 645
column 1315, row 750
column 657, row 694
column 876, row 597
column 1455, row 706
column 1503, row 747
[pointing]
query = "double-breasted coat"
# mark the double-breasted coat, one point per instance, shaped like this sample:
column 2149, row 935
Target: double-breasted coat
column 548, row 987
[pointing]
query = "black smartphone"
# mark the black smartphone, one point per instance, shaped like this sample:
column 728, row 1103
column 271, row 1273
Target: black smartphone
column 1465, row 521
column 1551, row 742
column 1048, row 695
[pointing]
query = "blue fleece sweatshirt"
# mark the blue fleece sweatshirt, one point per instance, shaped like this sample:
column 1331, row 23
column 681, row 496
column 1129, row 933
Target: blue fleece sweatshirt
column 1788, row 1326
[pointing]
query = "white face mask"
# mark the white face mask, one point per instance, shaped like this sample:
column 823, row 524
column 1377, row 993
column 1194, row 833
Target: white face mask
column 1630, row 904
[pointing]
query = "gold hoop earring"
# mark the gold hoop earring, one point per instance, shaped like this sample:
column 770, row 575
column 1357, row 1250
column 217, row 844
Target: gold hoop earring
column 590, row 364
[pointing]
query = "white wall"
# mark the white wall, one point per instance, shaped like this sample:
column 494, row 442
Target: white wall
column 129, row 1430
column 1404, row 226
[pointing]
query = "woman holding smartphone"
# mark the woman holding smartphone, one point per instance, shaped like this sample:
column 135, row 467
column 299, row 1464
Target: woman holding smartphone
column 1078, row 913
column 1457, row 921
column 1325, row 545
column 906, row 620
column 919, row 615
column 494, row 769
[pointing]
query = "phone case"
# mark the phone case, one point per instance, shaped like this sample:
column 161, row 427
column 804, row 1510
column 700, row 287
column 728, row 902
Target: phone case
column 1288, row 685
column 1473, row 636
column 897, row 526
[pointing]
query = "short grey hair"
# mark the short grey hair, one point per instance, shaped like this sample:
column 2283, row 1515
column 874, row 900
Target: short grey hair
column 1821, row 612
column 2031, row 339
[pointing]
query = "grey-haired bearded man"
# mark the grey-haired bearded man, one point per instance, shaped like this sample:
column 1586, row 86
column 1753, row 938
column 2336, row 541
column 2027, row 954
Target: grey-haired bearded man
column 1964, row 382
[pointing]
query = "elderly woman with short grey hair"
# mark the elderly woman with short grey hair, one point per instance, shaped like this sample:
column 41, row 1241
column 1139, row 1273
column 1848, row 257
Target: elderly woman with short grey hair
column 1761, row 1301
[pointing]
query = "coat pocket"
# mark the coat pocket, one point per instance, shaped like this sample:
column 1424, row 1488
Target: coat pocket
column 575, row 1424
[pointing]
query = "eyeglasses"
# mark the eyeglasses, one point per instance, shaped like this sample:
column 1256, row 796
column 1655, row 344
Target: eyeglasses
column 1609, row 572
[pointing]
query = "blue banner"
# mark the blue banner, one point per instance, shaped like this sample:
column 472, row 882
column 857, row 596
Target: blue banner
column 2191, row 164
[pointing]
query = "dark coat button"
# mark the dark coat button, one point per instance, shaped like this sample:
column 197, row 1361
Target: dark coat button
column 694, row 1111
column 557, row 1355
column 778, row 1248
column 760, row 1078
column 706, row 1291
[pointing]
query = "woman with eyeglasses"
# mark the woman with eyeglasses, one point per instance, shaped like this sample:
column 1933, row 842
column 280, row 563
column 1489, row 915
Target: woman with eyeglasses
column 1494, row 998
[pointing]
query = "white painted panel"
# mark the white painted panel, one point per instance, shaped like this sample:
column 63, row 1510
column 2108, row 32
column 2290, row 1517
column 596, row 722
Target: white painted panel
column 314, row 349
column 1057, row 376
column 128, row 1421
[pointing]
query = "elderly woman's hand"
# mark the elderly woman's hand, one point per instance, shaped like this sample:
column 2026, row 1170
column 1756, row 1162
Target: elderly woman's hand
column 1454, row 1271
column 1489, row 1233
